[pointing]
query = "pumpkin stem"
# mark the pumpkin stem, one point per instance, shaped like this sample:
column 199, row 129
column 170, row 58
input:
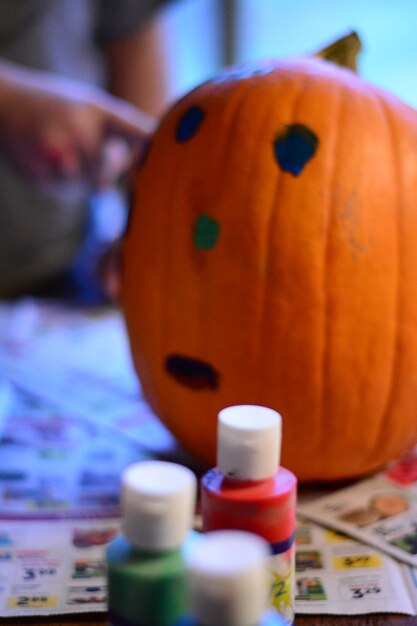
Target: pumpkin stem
column 343, row 52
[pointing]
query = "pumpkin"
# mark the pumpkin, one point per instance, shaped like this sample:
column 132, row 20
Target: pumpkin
column 271, row 258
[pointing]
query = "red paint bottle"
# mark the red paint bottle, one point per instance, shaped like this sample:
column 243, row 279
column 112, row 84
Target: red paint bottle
column 248, row 490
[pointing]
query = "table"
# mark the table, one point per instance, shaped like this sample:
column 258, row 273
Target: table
column 311, row 620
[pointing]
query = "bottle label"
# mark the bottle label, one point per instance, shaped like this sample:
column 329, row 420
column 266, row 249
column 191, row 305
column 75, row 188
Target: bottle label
column 283, row 575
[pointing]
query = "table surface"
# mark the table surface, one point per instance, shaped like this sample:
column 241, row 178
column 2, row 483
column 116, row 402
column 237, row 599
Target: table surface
column 304, row 620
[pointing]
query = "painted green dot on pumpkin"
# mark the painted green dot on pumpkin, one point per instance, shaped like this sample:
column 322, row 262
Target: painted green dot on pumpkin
column 206, row 232
column 294, row 147
column 189, row 124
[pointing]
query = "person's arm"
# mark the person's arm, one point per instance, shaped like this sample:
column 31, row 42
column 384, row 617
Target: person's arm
column 56, row 129
column 139, row 68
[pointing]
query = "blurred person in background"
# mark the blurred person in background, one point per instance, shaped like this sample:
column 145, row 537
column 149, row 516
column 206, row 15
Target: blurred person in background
column 81, row 84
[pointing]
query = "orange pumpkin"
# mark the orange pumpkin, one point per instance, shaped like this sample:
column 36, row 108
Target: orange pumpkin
column 271, row 258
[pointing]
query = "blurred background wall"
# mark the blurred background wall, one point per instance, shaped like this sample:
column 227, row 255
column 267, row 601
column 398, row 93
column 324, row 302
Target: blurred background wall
column 204, row 35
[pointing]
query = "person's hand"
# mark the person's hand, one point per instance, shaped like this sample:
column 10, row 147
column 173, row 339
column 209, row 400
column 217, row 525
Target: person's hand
column 60, row 131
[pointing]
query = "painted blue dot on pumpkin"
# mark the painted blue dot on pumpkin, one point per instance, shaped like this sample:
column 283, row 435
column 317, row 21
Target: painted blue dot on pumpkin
column 206, row 232
column 189, row 124
column 294, row 147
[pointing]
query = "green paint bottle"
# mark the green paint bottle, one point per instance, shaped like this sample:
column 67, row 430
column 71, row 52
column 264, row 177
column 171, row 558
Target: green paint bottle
column 146, row 562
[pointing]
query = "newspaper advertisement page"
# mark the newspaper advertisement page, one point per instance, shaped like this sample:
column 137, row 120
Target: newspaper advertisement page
column 59, row 567
column 338, row 575
column 378, row 511
column 49, row 568
column 47, row 351
column 59, row 508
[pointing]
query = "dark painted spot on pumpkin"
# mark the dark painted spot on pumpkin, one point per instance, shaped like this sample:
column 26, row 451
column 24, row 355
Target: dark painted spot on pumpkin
column 189, row 124
column 206, row 232
column 192, row 372
column 294, row 147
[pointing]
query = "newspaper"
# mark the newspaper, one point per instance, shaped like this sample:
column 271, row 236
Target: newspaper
column 60, row 464
column 59, row 507
column 338, row 575
column 79, row 361
column 49, row 568
column 380, row 511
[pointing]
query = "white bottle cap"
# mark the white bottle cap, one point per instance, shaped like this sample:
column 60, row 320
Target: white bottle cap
column 158, row 504
column 248, row 442
column 228, row 578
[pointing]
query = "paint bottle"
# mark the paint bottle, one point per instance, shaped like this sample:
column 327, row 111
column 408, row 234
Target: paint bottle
column 145, row 562
column 248, row 490
column 228, row 578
